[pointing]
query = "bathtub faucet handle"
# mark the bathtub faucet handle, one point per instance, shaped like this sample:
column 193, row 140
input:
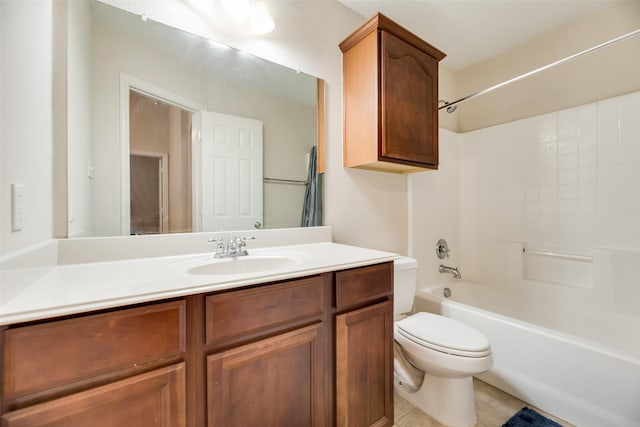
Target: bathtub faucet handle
column 442, row 249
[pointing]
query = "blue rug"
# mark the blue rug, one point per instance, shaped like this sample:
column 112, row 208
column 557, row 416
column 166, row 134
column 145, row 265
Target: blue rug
column 526, row 417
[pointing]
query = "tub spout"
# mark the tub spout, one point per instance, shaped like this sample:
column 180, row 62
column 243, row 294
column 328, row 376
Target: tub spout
column 453, row 270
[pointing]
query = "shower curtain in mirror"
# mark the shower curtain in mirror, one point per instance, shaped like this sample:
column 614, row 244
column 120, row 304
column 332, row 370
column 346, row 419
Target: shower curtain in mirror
column 312, row 207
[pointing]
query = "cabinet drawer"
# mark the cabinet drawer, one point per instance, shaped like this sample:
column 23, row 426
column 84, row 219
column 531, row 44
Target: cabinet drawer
column 360, row 285
column 248, row 313
column 56, row 353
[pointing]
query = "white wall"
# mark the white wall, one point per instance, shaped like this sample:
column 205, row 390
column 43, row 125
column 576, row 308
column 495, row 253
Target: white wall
column 26, row 106
column 435, row 211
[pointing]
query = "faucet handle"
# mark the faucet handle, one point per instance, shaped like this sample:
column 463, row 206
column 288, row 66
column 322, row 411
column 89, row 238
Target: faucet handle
column 219, row 245
column 442, row 249
column 242, row 244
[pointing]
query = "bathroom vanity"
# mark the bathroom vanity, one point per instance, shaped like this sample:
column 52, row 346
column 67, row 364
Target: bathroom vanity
column 308, row 344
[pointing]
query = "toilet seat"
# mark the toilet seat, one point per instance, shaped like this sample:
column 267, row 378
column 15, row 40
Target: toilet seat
column 445, row 335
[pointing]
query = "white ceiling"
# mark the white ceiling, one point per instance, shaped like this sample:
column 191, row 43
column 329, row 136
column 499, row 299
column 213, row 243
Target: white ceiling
column 470, row 31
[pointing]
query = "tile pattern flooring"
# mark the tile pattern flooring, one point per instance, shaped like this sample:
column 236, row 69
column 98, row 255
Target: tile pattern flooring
column 493, row 408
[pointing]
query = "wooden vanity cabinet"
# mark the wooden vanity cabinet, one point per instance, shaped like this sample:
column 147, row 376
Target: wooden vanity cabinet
column 390, row 88
column 313, row 351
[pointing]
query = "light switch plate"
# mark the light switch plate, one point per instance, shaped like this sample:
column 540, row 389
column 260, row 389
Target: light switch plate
column 17, row 207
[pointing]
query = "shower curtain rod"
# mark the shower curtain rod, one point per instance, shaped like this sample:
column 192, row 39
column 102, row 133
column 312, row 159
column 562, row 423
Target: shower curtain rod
column 284, row 181
column 545, row 67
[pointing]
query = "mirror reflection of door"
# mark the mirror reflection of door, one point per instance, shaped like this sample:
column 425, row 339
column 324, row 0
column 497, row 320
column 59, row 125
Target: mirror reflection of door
column 164, row 130
column 231, row 183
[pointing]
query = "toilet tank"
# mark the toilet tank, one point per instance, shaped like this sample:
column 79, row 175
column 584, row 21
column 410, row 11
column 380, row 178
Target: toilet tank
column 404, row 284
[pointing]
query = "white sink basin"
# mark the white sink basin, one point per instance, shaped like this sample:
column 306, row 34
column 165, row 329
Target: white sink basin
column 244, row 265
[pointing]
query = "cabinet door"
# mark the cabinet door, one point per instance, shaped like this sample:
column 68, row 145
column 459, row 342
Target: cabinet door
column 364, row 366
column 274, row 382
column 152, row 399
column 409, row 79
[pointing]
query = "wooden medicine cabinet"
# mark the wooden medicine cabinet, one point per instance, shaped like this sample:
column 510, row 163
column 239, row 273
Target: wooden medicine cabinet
column 390, row 87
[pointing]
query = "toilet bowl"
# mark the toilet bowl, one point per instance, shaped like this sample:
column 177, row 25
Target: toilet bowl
column 435, row 356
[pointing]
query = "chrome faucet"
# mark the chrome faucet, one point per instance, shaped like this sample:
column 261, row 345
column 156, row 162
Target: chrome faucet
column 452, row 270
column 236, row 246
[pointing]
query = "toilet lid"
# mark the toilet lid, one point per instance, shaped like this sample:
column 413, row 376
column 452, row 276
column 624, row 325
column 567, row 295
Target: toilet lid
column 444, row 334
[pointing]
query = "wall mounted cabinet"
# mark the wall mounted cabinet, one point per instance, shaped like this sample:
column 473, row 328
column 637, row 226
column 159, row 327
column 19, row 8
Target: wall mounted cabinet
column 390, row 87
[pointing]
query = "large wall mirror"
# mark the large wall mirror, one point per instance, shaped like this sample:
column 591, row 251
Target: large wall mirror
column 168, row 132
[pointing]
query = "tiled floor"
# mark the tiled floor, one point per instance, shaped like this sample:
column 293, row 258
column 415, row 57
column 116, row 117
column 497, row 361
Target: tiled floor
column 493, row 408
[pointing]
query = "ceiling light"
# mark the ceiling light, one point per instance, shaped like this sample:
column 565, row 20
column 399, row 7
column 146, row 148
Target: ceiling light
column 261, row 21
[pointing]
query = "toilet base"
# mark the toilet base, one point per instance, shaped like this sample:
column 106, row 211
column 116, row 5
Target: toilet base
column 450, row 401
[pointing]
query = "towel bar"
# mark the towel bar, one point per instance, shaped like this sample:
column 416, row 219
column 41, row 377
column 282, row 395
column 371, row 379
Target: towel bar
column 572, row 257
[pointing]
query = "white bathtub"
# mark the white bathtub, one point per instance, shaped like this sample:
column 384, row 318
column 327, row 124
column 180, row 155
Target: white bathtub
column 592, row 380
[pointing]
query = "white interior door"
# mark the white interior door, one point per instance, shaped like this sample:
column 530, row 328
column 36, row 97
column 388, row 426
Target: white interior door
column 231, row 172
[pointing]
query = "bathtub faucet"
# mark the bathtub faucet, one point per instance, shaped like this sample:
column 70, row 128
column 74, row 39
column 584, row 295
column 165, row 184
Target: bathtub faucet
column 452, row 270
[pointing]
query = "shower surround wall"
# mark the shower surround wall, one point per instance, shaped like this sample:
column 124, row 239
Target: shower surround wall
column 565, row 182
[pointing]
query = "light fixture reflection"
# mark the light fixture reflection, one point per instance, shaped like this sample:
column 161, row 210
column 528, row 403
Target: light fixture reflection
column 236, row 9
column 260, row 19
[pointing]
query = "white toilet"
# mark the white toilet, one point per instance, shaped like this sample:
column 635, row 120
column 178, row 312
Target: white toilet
column 435, row 357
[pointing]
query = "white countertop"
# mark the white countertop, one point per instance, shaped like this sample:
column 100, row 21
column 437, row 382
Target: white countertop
column 77, row 288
